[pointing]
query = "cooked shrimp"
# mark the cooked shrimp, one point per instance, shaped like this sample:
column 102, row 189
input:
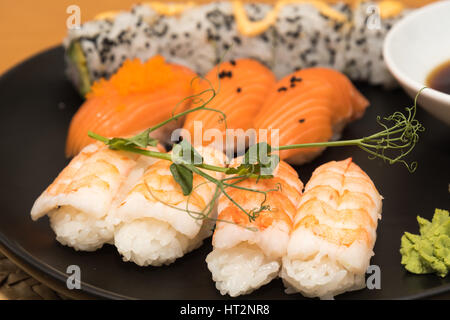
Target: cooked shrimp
column 247, row 253
column 334, row 231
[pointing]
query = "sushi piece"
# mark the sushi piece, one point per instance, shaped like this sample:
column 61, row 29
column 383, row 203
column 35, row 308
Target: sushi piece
column 334, row 232
column 247, row 254
column 152, row 226
column 310, row 105
column 309, row 37
column 364, row 47
column 346, row 35
column 80, row 199
column 242, row 86
column 137, row 97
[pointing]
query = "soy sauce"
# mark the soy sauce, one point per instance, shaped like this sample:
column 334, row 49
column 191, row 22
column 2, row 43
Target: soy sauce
column 439, row 78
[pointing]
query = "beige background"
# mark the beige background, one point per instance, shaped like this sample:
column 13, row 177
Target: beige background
column 28, row 26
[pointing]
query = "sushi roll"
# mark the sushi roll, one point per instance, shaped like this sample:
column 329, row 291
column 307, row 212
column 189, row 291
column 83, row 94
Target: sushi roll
column 152, row 225
column 364, row 46
column 242, row 86
column 334, row 232
column 80, row 199
column 285, row 35
column 247, row 254
column 307, row 106
column 137, row 97
column 309, row 37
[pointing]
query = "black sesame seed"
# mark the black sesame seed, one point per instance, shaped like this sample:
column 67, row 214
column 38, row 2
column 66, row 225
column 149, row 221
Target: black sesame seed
column 264, row 37
column 224, row 74
column 360, row 41
column 338, row 26
column 226, row 46
column 295, row 79
column 301, row 120
column 292, row 20
column 147, row 45
column 238, row 90
column 292, row 85
column 174, row 36
column 351, row 63
column 199, row 25
column 282, row 89
column 237, row 40
column 324, row 16
column 187, row 35
column 233, row 62
column 293, row 34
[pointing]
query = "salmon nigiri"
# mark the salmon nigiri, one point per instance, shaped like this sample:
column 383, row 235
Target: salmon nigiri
column 242, row 87
column 137, row 97
column 334, row 232
column 244, row 259
column 310, row 105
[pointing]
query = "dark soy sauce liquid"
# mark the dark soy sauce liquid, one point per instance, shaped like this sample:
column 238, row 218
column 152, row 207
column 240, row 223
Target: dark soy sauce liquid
column 439, row 78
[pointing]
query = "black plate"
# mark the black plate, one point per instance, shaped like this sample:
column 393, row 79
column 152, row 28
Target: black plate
column 37, row 103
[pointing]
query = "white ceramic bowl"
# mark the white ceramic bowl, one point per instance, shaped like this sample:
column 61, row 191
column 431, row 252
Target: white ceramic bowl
column 414, row 47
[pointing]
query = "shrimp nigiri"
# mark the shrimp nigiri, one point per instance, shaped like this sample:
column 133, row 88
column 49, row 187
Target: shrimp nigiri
column 137, row 97
column 334, row 232
column 242, row 87
column 310, row 105
column 244, row 259
column 80, row 199
column 153, row 226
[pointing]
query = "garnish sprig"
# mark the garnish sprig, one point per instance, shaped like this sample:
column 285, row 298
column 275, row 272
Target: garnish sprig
column 398, row 138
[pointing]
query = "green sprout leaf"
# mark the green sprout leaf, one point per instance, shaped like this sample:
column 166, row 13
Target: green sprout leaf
column 183, row 176
column 258, row 160
column 141, row 140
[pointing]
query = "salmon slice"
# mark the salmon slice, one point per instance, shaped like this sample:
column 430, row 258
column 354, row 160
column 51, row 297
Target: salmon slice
column 242, row 87
column 310, row 105
column 137, row 97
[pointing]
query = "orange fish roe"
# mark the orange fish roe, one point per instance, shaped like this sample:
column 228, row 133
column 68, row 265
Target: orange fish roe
column 135, row 77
